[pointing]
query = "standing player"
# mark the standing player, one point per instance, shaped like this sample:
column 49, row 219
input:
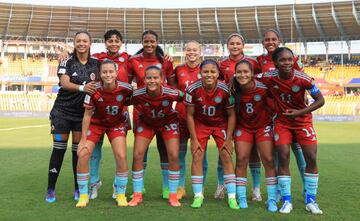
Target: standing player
column 103, row 114
column 271, row 42
column 210, row 112
column 156, row 117
column 113, row 42
column 77, row 75
column 151, row 54
column 294, row 121
column 235, row 45
column 253, row 125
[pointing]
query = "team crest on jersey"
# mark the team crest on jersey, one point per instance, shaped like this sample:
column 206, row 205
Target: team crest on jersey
column 218, row 99
column 165, row 103
column 141, row 66
column 265, row 62
column 238, row 133
column 158, row 65
column 276, row 87
column 296, row 88
column 276, row 137
column 100, row 99
column 88, row 133
column 199, row 76
column 140, row 129
column 257, row 97
column 92, row 76
column 227, row 68
column 199, row 99
column 121, row 59
column 146, row 104
column 119, row 98
column 182, row 75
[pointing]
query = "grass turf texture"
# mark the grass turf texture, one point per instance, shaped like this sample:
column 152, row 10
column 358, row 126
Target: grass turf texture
column 25, row 153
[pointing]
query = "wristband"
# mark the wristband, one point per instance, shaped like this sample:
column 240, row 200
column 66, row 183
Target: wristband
column 81, row 88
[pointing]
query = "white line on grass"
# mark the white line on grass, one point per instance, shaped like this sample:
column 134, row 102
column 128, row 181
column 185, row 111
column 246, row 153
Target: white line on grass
column 24, row 127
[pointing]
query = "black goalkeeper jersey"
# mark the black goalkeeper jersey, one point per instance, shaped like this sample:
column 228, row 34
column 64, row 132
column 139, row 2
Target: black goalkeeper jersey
column 68, row 104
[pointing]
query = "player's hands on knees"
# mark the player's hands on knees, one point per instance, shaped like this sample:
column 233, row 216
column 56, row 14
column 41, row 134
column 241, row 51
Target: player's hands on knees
column 90, row 87
column 292, row 113
column 195, row 146
column 81, row 146
column 227, row 145
column 63, row 56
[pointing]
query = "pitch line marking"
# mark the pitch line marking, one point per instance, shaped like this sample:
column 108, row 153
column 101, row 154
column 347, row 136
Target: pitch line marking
column 24, row 127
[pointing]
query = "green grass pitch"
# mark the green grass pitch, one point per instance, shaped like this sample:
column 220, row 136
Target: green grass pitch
column 25, row 153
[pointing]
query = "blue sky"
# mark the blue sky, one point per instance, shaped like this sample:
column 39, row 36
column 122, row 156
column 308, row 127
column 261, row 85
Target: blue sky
column 164, row 3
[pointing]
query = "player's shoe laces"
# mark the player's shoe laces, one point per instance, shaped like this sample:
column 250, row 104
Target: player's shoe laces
column 93, row 193
column 50, row 196
column 173, row 200
column 233, row 204
column 76, row 195
column 198, row 200
column 136, row 200
column 286, row 207
column 83, row 201
column 313, row 208
column 165, row 193
column 220, row 192
column 243, row 203
column 255, row 194
column 121, row 200
column 271, row 206
column 180, row 193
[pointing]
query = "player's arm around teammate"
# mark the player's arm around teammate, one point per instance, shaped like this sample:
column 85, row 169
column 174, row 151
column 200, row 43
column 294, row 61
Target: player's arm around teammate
column 210, row 112
column 103, row 114
column 156, row 117
column 253, row 130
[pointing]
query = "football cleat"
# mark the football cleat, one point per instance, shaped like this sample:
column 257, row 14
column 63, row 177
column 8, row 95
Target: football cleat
column 136, row 200
column 76, row 195
column 181, row 193
column 256, row 195
column 243, row 203
column 50, row 196
column 83, row 201
column 93, row 193
column 173, row 200
column 198, row 201
column 121, row 200
column 271, row 206
column 220, row 192
column 286, row 207
column 233, row 204
column 165, row 193
column 313, row 208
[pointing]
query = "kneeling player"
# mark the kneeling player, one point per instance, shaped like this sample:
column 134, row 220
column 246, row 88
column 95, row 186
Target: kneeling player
column 210, row 112
column 253, row 125
column 156, row 117
column 294, row 121
column 104, row 114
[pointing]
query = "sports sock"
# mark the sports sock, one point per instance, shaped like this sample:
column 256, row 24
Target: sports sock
column 74, row 148
column 197, row 185
column 271, row 185
column 165, row 174
column 241, row 187
column 220, row 172
column 285, row 187
column 205, row 167
column 182, row 157
column 230, row 184
column 255, row 168
column 95, row 162
column 145, row 165
column 300, row 160
column 83, row 181
column 173, row 181
column 311, row 186
column 138, row 180
column 121, row 180
column 56, row 160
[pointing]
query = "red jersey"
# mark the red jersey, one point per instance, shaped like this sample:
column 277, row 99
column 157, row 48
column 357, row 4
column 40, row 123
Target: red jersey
column 108, row 105
column 210, row 107
column 120, row 59
column 227, row 67
column 138, row 63
column 288, row 94
column 252, row 111
column 157, row 111
column 266, row 63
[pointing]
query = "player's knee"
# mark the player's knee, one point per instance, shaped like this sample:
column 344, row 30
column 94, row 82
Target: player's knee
column 268, row 161
column 225, row 157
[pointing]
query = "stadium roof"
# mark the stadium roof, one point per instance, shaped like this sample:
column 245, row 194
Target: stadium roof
column 296, row 22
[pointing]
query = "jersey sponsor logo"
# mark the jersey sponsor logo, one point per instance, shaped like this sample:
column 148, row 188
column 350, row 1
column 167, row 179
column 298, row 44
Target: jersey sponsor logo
column 165, row 103
column 62, row 71
column 295, row 88
column 175, row 132
column 53, row 170
column 267, row 135
column 119, row 98
column 74, row 74
column 276, row 137
column 238, row 133
column 257, row 97
column 314, row 138
column 92, row 76
column 218, row 99
column 121, row 59
column 140, row 129
column 100, row 99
